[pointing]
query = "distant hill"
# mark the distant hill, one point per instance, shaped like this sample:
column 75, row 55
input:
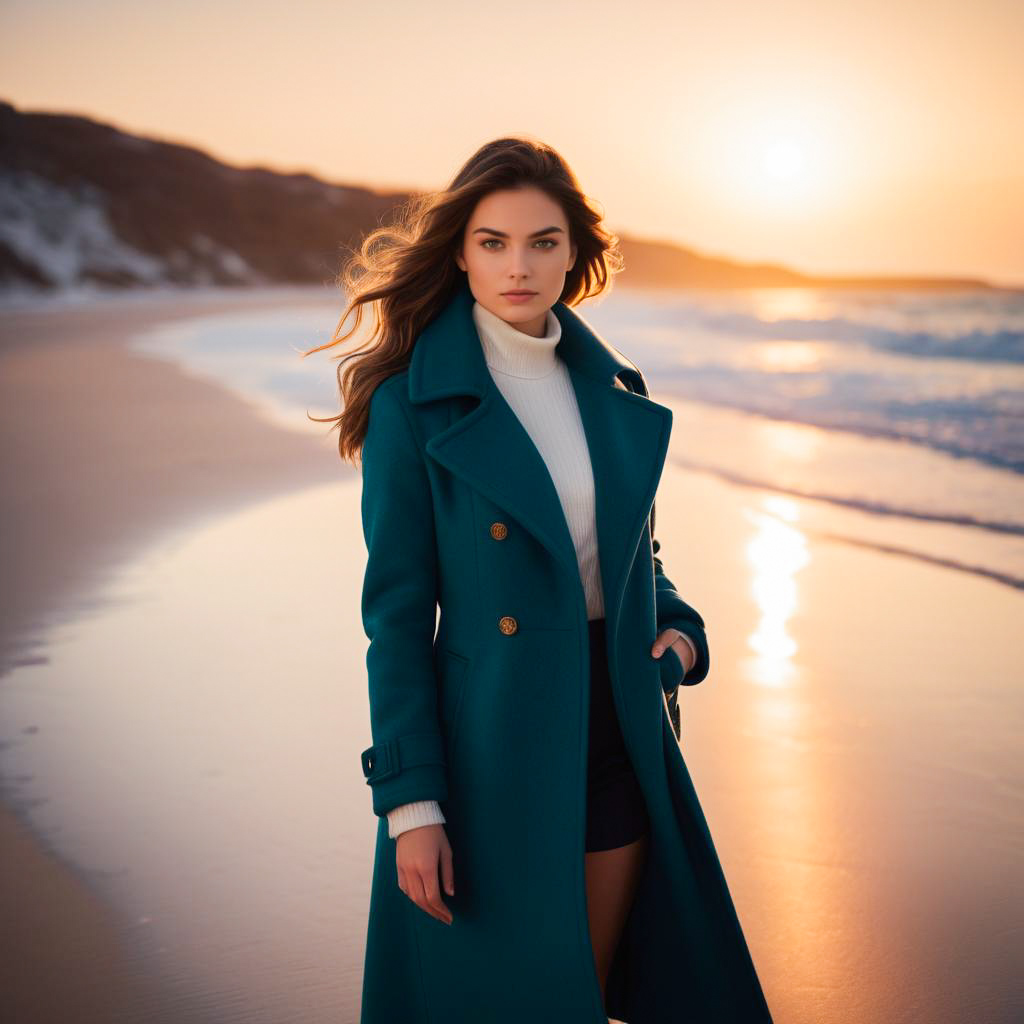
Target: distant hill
column 82, row 202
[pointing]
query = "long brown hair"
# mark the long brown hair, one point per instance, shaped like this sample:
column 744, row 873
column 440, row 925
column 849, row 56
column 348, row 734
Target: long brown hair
column 407, row 270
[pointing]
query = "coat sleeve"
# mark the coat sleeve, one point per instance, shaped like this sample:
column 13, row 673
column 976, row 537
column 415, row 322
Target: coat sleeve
column 406, row 762
column 674, row 613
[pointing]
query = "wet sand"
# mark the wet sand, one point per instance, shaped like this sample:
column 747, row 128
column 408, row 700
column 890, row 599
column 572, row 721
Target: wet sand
column 62, row 956
column 106, row 447
column 856, row 746
column 101, row 450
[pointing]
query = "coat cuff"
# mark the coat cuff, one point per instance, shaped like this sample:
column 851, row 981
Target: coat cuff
column 406, row 769
column 693, row 648
column 671, row 665
column 696, row 635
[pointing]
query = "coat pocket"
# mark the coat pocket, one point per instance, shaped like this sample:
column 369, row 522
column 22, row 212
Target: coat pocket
column 454, row 672
column 672, row 673
column 671, row 667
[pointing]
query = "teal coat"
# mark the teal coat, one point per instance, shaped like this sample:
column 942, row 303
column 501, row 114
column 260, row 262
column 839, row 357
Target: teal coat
column 490, row 715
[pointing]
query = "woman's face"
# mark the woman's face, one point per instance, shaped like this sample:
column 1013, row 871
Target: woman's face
column 517, row 240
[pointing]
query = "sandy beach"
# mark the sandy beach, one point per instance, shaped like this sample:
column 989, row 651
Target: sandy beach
column 200, row 703
column 101, row 450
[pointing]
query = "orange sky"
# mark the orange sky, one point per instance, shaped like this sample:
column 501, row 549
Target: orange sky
column 847, row 137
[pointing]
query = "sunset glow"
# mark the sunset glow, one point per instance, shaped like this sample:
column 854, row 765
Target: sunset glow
column 820, row 142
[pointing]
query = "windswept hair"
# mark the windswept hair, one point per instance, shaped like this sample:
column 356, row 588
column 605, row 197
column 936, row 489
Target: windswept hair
column 406, row 271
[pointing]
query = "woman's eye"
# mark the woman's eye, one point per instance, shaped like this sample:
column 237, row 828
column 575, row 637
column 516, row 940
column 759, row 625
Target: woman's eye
column 548, row 243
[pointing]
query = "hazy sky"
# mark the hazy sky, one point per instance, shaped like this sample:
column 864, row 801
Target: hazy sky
column 846, row 137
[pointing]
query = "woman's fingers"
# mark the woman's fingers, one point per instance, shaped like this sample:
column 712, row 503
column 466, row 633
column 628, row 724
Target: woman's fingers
column 671, row 637
column 685, row 652
column 665, row 638
column 417, row 856
column 433, row 903
column 447, row 870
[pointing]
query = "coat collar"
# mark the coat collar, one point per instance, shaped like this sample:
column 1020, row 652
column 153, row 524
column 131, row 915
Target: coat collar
column 448, row 358
column 488, row 447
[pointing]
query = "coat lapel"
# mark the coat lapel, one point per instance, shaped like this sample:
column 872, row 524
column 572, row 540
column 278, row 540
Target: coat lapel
column 627, row 435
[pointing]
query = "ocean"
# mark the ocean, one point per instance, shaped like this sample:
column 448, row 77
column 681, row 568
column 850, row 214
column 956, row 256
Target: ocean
column 899, row 405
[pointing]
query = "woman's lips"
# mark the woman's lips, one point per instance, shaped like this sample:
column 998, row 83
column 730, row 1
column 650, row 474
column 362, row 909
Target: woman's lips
column 519, row 296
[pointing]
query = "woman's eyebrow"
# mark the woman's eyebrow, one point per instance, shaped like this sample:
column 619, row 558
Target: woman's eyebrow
column 533, row 234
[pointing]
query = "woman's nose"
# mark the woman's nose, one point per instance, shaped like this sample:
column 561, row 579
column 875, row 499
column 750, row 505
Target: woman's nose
column 519, row 264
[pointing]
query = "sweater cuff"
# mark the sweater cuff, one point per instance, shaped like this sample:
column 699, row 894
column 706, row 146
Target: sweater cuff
column 412, row 815
column 693, row 648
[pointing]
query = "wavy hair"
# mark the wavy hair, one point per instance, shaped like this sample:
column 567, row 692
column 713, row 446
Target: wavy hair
column 406, row 271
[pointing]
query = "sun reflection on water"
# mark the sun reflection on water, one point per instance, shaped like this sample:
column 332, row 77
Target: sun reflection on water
column 777, row 551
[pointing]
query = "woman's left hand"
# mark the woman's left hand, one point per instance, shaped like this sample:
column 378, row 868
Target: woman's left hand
column 674, row 639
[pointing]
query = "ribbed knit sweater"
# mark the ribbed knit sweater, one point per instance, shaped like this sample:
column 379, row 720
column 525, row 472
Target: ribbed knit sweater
column 537, row 386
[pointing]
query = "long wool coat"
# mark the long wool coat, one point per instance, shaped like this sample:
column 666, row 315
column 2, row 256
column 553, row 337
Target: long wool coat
column 489, row 716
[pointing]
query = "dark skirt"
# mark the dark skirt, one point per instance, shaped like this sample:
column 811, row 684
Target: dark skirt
column 616, row 812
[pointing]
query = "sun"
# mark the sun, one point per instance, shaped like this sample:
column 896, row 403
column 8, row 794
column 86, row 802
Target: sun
column 784, row 161
column 776, row 158
column 780, row 169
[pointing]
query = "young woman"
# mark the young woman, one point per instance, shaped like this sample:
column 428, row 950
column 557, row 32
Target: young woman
column 541, row 854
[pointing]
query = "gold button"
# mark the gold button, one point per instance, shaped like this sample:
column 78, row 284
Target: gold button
column 507, row 625
column 499, row 531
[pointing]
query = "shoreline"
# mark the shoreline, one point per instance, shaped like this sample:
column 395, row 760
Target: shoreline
column 101, row 470
column 69, row 379
column 843, row 752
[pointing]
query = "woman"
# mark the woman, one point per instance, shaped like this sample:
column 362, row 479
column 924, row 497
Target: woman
column 541, row 853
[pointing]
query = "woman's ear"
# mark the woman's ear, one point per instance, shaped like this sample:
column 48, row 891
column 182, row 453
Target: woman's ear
column 460, row 262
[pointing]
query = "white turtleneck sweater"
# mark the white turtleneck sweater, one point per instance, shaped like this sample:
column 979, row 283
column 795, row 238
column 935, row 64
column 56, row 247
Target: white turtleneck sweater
column 537, row 386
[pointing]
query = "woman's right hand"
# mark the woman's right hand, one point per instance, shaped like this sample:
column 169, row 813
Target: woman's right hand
column 417, row 854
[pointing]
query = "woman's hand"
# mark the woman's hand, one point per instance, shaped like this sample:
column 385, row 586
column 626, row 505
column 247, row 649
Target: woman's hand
column 674, row 639
column 417, row 854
